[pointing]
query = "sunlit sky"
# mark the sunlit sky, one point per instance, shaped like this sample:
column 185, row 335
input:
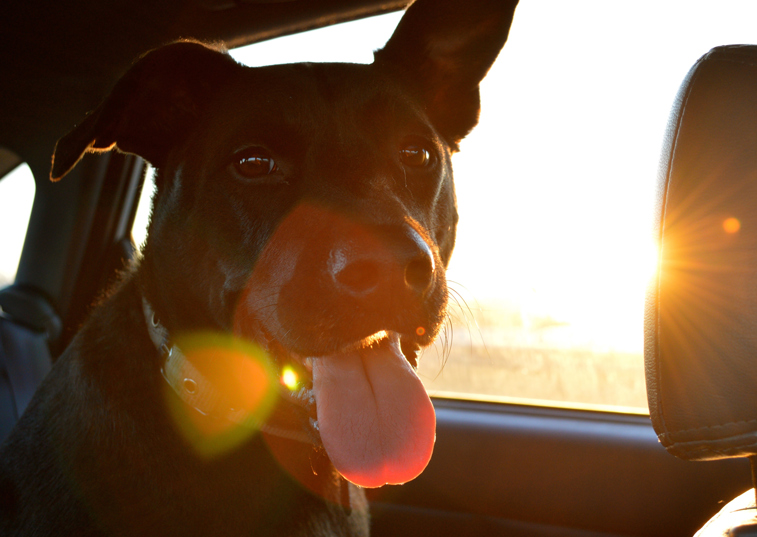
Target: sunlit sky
column 556, row 185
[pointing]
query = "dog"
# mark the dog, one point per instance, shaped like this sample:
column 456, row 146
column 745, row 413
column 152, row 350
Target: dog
column 255, row 369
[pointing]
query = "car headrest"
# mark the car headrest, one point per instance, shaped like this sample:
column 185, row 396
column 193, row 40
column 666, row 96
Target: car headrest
column 701, row 315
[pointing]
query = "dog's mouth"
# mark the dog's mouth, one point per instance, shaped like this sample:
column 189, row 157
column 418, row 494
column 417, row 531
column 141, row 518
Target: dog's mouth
column 364, row 402
column 367, row 404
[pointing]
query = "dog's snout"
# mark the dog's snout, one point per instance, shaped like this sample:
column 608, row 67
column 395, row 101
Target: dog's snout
column 403, row 265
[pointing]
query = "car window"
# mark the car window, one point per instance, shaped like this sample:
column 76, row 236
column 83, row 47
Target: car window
column 142, row 218
column 16, row 198
column 556, row 191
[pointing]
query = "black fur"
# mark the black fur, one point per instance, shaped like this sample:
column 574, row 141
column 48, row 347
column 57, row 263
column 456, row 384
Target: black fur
column 97, row 452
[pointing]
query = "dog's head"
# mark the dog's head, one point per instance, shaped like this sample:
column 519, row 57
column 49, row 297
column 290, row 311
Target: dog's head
column 310, row 208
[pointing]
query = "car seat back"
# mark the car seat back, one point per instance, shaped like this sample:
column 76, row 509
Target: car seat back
column 27, row 324
column 701, row 316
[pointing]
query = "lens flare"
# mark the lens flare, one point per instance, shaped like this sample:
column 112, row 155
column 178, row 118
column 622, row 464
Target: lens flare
column 731, row 225
column 289, row 378
column 234, row 378
column 420, row 330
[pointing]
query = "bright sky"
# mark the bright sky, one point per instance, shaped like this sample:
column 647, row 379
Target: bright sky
column 16, row 197
column 556, row 185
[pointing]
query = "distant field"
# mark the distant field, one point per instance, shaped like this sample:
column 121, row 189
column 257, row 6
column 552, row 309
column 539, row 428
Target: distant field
column 613, row 379
column 500, row 355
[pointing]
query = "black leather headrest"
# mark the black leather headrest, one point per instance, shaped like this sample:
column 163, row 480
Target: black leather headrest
column 701, row 316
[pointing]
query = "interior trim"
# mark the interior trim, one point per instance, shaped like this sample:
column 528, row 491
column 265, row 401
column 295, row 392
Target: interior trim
column 594, row 471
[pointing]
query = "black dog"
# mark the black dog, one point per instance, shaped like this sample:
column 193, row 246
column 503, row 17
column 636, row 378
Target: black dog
column 303, row 220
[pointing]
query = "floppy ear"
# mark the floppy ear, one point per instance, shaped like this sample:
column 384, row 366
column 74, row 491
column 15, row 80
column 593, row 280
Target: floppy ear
column 445, row 48
column 151, row 107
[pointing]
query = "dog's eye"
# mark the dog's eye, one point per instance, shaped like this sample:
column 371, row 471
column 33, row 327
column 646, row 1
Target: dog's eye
column 254, row 162
column 415, row 156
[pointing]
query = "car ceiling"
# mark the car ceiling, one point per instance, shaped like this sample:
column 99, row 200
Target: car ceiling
column 58, row 59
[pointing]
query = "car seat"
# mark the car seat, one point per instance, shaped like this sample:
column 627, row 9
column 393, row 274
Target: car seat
column 27, row 323
column 701, row 315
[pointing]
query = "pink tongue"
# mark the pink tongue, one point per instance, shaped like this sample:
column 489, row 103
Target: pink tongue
column 376, row 421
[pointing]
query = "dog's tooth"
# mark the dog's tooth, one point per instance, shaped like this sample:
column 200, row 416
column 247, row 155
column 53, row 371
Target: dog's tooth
column 308, row 363
column 393, row 336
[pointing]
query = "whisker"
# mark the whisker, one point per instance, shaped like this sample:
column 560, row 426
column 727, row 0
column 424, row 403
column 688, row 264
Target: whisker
column 470, row 317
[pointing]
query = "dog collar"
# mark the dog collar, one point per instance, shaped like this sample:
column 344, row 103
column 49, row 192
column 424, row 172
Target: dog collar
column 290, row 418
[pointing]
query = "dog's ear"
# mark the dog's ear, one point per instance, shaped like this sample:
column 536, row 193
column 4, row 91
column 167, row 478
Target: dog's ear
column 445, row 48
column 150, row 107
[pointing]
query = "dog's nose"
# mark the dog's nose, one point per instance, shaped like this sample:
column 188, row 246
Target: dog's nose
column 420, row 266
column 358, row 277
column 401, row 264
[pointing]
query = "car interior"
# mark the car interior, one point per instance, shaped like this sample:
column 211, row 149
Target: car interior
column 502, row 464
